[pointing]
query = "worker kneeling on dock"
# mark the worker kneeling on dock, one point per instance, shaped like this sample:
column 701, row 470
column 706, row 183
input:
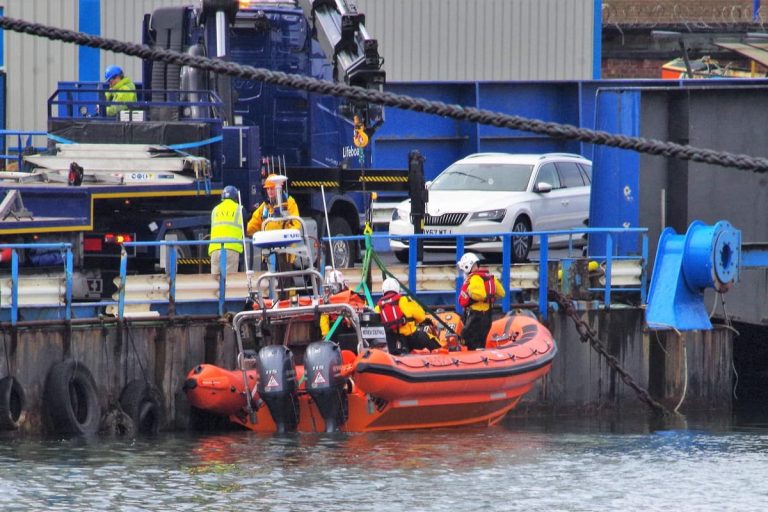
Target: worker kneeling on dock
column 400, row 314
column 478, row 293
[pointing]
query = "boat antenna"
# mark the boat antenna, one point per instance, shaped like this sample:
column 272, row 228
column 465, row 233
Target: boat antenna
column 328, row 227
column 248, row 272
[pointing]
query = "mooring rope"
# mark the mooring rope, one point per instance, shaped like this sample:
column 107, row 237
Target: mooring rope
column 359, row 94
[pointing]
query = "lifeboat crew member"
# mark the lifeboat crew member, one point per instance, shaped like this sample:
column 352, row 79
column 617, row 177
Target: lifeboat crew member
column 226, row 223
column 268, row 209
column 480, row 290
column 400, row 314
column 337, row 291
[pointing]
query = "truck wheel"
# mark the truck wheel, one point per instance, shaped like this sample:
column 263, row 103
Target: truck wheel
column 402, row 256
column 343, row 250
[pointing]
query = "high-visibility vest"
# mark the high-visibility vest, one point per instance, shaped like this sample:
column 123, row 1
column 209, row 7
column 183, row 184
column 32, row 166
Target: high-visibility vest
column 124, row 91
column 226, row 222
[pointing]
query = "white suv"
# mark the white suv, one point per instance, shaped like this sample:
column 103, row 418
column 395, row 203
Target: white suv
column 501, row 193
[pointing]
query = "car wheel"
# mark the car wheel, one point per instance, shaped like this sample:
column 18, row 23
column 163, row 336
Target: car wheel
column 402, row 256
column 521, row 245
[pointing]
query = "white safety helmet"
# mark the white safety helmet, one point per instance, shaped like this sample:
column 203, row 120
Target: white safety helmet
column 390, row 284
column 334, row 279
column 467, row 261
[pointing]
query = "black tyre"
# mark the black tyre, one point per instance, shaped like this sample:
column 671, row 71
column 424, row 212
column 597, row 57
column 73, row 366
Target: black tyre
column 71, row 399
column 521, row 245
column 402, row 256
column 13, row 401
column 143, row 402
column 343, row 250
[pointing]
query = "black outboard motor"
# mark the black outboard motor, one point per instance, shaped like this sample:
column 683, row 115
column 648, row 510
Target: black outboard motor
column 277, row 386
column 322, row 367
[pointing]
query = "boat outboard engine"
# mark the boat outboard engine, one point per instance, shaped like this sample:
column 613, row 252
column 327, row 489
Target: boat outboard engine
column 277, row 386
column 322, row 367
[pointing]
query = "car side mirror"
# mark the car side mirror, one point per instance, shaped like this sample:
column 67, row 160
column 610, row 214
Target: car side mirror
column 542, row 187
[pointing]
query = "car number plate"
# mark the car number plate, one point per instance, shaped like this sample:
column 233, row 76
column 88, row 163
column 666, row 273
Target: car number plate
column 429, row 231
column 374, row 332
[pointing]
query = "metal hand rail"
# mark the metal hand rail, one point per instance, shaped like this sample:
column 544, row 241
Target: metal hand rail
column 506, row 239
column 68, row 267
column 608, row 290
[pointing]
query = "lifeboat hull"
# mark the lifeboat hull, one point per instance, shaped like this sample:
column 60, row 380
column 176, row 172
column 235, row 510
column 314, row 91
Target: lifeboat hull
column 216, row 390
column 431, row 390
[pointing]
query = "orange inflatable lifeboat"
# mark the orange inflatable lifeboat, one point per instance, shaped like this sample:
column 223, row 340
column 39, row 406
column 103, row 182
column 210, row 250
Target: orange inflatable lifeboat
column 335, row 390
column 216, row 390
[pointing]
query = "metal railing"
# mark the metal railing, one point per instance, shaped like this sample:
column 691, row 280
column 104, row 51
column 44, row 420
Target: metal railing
column 506, row 259
column 68, row 269
column 24, row 140
column 608, row 260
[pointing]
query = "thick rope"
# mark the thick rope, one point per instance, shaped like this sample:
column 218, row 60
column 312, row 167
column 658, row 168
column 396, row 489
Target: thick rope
column 359, row 94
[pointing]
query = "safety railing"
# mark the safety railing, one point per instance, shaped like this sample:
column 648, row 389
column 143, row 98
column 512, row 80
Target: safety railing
column 219, row 290
column 15, row 143
column 609, row 259
column 81, row 99
column 42, row 291
column 171, row 266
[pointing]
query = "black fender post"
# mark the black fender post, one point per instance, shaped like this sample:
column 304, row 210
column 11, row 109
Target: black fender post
column 417, row 192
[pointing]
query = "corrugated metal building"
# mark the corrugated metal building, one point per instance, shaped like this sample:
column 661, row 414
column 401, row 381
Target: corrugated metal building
column 424, row 40
column 34, row 65
column 421, row 40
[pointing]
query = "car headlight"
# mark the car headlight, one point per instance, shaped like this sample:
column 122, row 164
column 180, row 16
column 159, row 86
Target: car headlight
column 493, row 215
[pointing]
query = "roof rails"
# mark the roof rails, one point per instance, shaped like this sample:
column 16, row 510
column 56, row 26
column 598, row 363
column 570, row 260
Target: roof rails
column 492, row 153
column 574, row 155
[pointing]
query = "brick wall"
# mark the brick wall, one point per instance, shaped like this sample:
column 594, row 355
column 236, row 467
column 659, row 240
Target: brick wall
column 679, row 11
column 632, row 68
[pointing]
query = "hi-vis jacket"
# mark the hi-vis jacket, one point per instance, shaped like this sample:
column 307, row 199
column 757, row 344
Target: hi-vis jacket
column 266, row 210
column 480, row 290
column 226, row 222
column 401, row 313
column 123, row 91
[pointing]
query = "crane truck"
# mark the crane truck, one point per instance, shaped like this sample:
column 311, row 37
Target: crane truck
column 155, row 170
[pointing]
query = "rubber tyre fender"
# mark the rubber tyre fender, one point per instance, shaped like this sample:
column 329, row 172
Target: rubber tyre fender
column 143, row 402
column 71, row 399
column 13, row 403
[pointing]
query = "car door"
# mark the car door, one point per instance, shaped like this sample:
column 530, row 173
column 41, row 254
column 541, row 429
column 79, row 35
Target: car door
column 545, row 207
column 573, row 195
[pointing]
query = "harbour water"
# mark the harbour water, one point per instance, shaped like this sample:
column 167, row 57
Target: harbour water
column 554, row 464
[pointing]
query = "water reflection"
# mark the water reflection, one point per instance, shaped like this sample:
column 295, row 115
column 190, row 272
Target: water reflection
column 523, row 464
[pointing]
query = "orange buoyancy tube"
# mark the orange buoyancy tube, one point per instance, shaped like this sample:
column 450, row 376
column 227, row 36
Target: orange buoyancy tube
column 513, row 328
column 214, row 389
column 448, row 376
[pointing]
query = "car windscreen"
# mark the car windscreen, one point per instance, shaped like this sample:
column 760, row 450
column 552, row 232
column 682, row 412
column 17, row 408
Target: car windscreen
column 490, row 177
